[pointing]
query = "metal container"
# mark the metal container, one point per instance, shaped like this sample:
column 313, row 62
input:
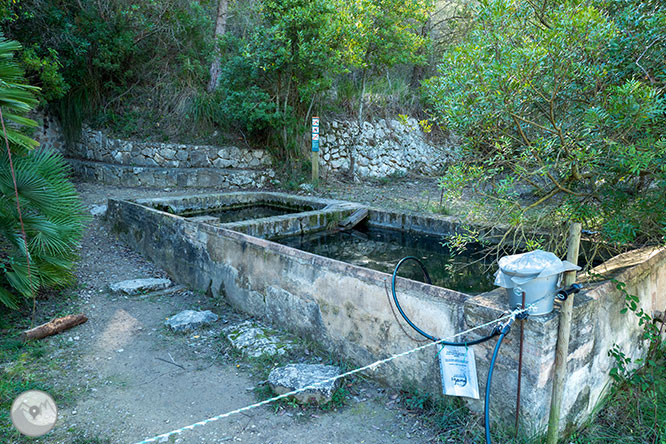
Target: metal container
column 537, row 273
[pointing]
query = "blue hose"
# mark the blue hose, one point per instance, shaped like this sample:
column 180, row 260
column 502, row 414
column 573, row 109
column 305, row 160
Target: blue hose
column 486, row 408
column 409, row 321
column 503, row 331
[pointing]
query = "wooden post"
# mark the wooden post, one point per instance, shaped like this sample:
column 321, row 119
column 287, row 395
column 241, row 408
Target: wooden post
column 315, row 167
column 315, row 151
column 563, row 333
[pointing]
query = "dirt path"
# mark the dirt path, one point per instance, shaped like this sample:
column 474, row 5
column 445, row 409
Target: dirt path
column 124, row 391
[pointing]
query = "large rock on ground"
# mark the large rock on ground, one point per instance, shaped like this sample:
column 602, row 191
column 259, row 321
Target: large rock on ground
column 297, row 376
column 190, row 320
column 136, row 286
column 255, row 340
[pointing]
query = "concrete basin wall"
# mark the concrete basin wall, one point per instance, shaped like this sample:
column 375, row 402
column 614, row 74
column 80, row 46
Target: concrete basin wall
column 200, row 202
column 341, row 306
column 597, row 325
column 346, row 308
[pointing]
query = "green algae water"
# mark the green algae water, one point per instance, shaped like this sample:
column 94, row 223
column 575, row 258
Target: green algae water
column 381, row 249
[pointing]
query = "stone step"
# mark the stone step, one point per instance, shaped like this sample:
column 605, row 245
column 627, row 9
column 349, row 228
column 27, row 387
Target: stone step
column 139, row 286
column 158, row 177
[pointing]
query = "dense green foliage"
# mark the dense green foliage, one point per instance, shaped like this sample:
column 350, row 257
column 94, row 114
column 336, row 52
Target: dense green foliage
column 287, row 58
column 141, row 69
column 87, row 56
column 51, row 209
column 568, row 98
column 281, row 66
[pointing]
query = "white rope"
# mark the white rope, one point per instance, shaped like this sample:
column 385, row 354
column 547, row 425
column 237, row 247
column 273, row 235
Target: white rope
column 371, row 366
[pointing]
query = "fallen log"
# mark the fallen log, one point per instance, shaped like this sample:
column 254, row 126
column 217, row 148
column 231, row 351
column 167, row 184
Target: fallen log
column 54, row 327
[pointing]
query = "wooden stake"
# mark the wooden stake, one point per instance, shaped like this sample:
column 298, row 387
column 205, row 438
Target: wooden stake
column 53, row 327
column 563, row 333
column 315, row 167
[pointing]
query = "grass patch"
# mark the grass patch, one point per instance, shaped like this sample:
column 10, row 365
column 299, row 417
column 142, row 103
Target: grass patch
column 21, row 368
column 26, row 365
column 632, row 413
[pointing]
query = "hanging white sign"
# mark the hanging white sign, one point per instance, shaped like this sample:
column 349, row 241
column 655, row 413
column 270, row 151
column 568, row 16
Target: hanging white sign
column 458, row 370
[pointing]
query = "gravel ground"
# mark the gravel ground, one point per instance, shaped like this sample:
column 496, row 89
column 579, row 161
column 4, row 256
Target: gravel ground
column 130, row 378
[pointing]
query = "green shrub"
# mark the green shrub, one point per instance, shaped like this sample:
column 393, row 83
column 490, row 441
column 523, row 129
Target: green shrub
column 114, row 56
column 567, row 99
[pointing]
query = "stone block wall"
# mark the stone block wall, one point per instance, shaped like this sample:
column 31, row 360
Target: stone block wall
column 48, row 132
column 381, row 148
column 96, row 146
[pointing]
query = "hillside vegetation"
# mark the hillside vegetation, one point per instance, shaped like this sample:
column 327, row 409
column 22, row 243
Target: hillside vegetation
column 560, row 105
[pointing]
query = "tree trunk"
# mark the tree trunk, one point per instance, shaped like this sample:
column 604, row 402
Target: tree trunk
column 220, row 29
column 53, row 327
column 360, row 126
column 419, row 70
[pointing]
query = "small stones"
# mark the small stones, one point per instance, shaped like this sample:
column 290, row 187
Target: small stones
column 256, row 340
column 136, row 286
column 297, row 376
column 306, row 188
column 190, row 320
column 98, row 210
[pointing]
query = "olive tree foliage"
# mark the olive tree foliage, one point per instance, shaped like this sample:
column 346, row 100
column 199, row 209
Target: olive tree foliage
column 383, row 34
column 561, row 110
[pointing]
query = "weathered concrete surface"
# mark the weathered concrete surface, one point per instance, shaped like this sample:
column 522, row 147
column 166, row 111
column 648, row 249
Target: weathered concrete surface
column 345, row 308
column 341, row 306
column 136, row 286
column 201, row 203
column 255, row 340
column 298, row 376
column 190, row 320
column 315, row 214
column 597, row 325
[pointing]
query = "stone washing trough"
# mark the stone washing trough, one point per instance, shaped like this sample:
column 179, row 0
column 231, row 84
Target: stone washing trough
column 345, row 307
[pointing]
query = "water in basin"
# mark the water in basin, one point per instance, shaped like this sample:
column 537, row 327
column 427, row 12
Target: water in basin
column 381, row 249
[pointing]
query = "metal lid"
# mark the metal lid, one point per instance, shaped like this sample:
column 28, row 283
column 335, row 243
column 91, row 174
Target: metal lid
column 520, row 268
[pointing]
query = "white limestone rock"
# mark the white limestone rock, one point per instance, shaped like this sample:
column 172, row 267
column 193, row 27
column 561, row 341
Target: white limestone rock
column 190, row 320
column 298, row 376
column 136, row 286
column 255, row 340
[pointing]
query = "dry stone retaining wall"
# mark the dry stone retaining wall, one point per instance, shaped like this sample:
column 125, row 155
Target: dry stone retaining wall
column 381, row 148
column 96, row 146
column 48, row 132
